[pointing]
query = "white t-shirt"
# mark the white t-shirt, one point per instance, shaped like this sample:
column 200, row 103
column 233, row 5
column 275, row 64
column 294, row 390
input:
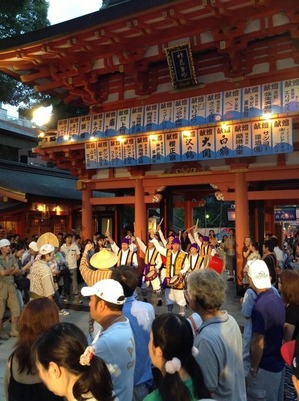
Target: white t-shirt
column 71, row 252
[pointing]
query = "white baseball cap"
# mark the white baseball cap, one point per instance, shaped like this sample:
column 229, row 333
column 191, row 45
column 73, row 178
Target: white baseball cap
column 4, row 242
column 259, row 273
column 45, row 249
column 109, row 290
column 33, row 246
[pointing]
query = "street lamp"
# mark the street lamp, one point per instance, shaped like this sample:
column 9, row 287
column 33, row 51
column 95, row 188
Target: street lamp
column 42, row 115
column 207, row 216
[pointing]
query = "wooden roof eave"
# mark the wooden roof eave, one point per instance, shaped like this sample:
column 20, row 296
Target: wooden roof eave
column 15, row 195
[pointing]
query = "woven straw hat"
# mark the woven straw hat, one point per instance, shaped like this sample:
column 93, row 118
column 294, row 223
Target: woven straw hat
column 47, row 238
column 103, row 259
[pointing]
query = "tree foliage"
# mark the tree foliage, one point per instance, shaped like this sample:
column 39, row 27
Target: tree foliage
column 16, row 18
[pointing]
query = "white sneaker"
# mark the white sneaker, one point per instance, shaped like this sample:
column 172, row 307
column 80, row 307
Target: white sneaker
column 63, row 312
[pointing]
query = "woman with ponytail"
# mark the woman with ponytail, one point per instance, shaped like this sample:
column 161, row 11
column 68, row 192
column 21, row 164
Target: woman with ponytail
column 69, row 367
column 172, row 352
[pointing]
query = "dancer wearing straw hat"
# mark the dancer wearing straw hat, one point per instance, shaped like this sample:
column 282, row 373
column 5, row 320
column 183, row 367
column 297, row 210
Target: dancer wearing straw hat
column 96, row 269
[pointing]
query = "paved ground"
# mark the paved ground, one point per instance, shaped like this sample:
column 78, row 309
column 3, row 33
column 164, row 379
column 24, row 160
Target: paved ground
column 79, row 315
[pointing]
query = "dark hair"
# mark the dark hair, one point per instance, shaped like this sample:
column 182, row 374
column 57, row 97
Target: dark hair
column 63, row 344
column 20, row 246
column 274, row 241
column 269, row 244
column 173, row 334
column 289, row 286
column 255, row 244
column 37, row 317
column 127, row 277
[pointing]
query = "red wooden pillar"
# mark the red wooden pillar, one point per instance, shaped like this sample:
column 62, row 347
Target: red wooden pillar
column 188, row 220
column 86, row 223
column 141, row 222
column 141, row 226
column 269, row 217
column 242, row 220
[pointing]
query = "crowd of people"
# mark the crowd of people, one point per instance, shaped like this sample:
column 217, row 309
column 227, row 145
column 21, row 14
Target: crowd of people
column 129, row 353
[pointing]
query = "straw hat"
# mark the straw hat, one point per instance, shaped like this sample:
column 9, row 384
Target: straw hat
column 103, row 259
column 47, row 238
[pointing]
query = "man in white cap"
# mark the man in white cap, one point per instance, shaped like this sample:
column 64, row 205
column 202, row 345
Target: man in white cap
column 96, row 269
column 8, row 295
column 30, row 254
column 41, row 277
column 266, row 374
column 115, row 342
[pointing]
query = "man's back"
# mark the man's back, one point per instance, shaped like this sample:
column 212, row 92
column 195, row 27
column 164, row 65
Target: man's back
column 268, row 317
column 220, row 357
column 116, row 347
column 141, row 316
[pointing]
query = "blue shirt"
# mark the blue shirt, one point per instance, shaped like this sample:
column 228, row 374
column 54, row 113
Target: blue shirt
column 116, row 347
column 141, row 316
column 268, row 317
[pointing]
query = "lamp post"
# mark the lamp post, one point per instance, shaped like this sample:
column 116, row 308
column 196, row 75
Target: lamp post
column 42, row 115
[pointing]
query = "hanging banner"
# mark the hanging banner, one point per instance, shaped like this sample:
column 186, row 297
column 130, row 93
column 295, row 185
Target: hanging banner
column 261, row 138
column 252, row 102
column 165, row 115
column 136, row 120
column 271, row 98
column 103, row 154
column 197, row 110
column 85, row 127
column 110, row 123
column 62, row 129
column 129, row 153
column 248, row 138
column 224, row 141
column 206, row 143
column 91, row 155
column 242, row 139
column 151, row 114
column 290, row 95
column 214, row 105
column 143, row 150
column 282, row 135
column 157, row 149
column 172, row 147
column 97, row 125
column 123, row 121
column 232, row 106
column 189, row 145
column 74, row 128
column 181, row 112
column 116, row 154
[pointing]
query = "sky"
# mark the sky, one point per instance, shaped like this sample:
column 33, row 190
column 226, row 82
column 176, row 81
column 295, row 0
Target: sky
column 64, row 10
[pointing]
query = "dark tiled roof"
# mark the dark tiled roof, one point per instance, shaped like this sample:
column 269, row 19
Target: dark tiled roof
column 38, row 181
column 114, row 12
